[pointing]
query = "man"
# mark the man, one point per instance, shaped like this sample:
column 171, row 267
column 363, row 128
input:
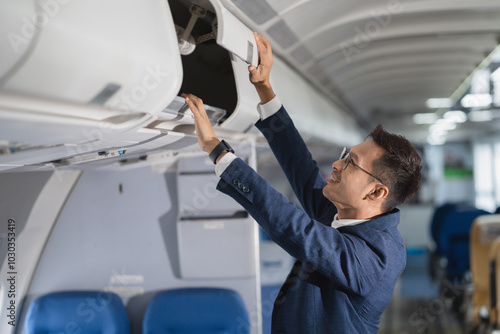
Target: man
column 348, row 249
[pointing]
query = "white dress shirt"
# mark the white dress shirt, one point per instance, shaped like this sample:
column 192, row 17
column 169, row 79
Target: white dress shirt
column 346, row 222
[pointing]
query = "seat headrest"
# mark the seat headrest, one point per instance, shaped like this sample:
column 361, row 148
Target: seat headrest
column 196, row 310
column 90, row 312
column 489, row 228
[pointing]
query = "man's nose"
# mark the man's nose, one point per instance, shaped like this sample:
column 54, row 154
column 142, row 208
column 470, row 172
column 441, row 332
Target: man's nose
column 336, row 165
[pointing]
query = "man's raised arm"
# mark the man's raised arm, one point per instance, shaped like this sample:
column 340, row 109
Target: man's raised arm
column 284, row 139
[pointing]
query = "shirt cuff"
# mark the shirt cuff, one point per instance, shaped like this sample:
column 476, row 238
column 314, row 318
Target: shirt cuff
column 268, row 109
column 224, row 162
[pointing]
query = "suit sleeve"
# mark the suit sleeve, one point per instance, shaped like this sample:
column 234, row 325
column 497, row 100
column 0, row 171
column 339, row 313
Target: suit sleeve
column 297, row 163
column 351, row 262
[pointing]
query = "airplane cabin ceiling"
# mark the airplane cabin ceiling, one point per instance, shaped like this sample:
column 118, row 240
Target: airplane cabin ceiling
column 379, row 59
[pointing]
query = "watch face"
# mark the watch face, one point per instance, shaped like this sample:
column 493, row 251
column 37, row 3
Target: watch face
column 228, row 147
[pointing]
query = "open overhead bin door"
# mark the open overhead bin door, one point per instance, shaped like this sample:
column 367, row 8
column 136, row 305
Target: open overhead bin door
column 216, row 50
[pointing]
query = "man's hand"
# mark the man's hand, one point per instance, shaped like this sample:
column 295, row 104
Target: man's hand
column 206, row 135
column 259, row 76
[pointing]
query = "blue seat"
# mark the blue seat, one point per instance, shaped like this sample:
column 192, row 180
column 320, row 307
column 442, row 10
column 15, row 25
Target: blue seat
column 453, row 240
column 439, row 217
column 89, row 312
column 497, row 210
column 196, row 310
column 434, row 263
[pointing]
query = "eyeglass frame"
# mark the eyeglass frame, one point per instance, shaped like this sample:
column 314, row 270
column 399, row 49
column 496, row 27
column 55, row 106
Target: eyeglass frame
column 345, row 154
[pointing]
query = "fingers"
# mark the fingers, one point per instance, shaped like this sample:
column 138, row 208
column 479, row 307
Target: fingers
column 262, row 42
column 193, row 99
column 255, row 71
column 260, row 74
column 265, row 50
column 195, row 104
column 207, row 138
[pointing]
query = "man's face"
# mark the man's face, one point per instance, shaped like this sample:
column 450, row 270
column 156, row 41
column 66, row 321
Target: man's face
column 348, row 188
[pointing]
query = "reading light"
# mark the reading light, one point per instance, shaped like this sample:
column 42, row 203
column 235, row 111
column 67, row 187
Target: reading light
column 455, row 116
column 436, row 103
column 438, row 131
column 436, row 139
column 476, row 100
column 425, row 118
column 442, row 125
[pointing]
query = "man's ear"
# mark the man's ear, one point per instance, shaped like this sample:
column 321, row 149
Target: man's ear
column 378, row 193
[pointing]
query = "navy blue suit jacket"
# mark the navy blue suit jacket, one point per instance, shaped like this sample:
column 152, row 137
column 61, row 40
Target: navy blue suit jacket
column 343, row 278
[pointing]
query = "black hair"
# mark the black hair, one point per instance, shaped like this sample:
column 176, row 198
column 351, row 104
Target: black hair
column 400, row 167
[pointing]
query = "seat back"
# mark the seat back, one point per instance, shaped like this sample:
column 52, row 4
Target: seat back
column 494, row 291
column 196, row 310
column 90, row 312
column 439, row 217
column 485, row 230
column 453, row 239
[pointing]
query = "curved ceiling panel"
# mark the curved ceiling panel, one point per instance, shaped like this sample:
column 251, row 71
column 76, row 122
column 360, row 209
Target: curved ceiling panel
column 381, row 57
column 422, row 71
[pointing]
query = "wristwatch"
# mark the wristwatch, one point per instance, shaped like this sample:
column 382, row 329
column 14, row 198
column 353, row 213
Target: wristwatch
column 223, row 146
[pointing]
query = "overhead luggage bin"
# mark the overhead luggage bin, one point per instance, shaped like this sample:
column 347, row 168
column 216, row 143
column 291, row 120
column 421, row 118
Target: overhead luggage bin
column 80, row 77
column 86, row 77
column 113, row 53
column 93, row 57
column 216, row 50
column 44, row 122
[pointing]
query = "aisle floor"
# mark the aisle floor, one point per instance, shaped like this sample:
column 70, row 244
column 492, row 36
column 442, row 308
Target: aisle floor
column 418, row 304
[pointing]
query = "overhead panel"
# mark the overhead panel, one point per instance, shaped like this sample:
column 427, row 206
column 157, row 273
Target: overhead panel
column 282, row 34
column 282, row 5
column 258, row 10
column 301, row 54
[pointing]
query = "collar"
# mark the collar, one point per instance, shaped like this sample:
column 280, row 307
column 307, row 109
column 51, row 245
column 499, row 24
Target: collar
column 346, row 222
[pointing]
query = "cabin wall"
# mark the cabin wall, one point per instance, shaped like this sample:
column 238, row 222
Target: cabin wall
column 118, row 232
column 18, row 191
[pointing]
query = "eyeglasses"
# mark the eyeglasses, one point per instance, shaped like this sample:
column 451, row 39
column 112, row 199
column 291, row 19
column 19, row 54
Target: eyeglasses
column 346, row 157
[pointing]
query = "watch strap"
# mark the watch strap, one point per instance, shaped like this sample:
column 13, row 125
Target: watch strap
column 223, row 146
